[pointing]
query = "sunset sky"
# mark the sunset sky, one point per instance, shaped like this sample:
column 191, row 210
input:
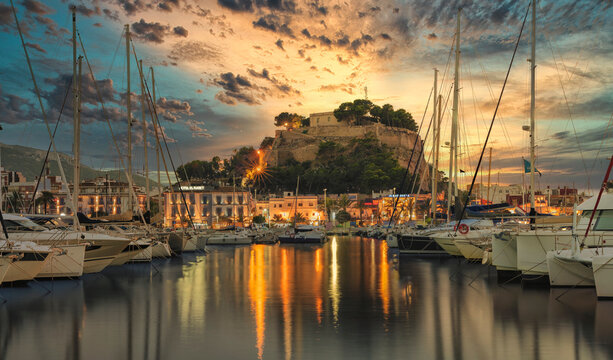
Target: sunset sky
column 225, row 68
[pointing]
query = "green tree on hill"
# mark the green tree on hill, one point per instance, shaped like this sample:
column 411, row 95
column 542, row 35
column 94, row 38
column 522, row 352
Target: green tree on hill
column 353, row 112
column 291, row 121
column 362, row 111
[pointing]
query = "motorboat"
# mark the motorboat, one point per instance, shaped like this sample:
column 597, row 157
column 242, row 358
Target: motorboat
column 29, row 259
column 100, row 249
column 303, row 234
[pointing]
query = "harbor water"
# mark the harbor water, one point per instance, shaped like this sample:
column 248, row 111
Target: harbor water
column 350, row 298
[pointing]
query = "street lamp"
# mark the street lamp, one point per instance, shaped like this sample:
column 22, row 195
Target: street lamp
column 325, row 205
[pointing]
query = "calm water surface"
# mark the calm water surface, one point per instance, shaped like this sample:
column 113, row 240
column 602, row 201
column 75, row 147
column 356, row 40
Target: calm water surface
column 351, row 298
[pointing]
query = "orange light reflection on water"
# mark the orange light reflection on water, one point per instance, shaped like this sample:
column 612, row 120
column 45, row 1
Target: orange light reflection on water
column 257, row 294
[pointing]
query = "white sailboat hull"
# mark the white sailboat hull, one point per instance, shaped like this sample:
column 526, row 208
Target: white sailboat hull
column 568, row 270
column 68, row 262
column 602, row 266
column 504, row 251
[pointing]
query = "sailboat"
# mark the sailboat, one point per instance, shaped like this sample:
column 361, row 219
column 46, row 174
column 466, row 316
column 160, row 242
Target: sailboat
column 302, row 234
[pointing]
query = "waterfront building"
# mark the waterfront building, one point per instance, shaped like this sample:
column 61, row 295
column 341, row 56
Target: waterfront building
column 208, row 206
column 286, row 207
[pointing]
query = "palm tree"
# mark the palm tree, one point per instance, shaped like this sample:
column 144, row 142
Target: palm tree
column 46, row 198
column 278, row 218
column 361, row 206
column 344, row 202
column 14, row 202
column 299, row 218
column 331, row 205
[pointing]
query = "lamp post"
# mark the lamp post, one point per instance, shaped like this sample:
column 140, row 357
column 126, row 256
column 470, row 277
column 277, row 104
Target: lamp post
column 325, row 205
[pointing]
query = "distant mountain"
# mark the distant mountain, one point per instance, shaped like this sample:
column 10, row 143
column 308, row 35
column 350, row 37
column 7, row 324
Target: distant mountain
column 29, row 161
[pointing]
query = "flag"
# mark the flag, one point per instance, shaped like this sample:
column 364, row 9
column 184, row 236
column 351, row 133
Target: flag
column 527, row 167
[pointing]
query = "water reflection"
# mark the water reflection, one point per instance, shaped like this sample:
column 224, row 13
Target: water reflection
column 350, row 298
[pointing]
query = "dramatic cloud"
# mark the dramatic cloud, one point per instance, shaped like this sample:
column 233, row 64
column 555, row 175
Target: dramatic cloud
column 15, row 109
column 153, row 31
column 132, row 7
column 235, row 89
column 180, row 31
column 274, row 23
column 37, row 7
column 279, row 44
column 36, row 47
column 173, row 109
column 85, row 11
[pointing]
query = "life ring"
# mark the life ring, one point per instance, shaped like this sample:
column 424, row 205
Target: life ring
column 463, row 229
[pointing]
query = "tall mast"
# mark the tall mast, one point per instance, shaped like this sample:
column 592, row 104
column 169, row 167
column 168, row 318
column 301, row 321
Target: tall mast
column 75, row 112
column 532, row 104
column 142, row 101
column 128, row 107
column 435, row 129
column 438, row 135
column 453, row 156
column 157, row 149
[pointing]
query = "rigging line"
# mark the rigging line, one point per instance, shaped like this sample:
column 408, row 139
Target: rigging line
column 121, row 36
column 406, row 173
column 604, row 136
column 59, row 117
column 488, row 83
column 108, row 121
column 44, row 115
column 504, row 84
column 420, row 156
column 570, row 115
column 155, row 119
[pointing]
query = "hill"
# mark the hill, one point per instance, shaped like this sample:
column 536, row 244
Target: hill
column 29, row 161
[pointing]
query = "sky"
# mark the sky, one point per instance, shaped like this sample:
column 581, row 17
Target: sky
column 225, row 68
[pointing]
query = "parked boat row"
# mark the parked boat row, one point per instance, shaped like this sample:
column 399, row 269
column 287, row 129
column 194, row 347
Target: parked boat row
column 558, row 251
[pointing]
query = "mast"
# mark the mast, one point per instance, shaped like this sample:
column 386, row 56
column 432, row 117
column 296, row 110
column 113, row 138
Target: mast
column 296, row 202
column 532, row 105
column 129, row 116
column 142, row 101
column 434, row 148
column 489, row 174
column 76, row 83
column 453, row 155
column 438, row 137
column 157, row 150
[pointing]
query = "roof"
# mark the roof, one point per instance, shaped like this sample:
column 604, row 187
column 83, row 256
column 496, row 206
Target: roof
column 606, row 203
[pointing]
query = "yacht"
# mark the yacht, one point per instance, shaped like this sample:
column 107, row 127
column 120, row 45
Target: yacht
column 470, row 236
column 29, row 259
column 229, row 236
column 5, row 263
column 533, row 245
column 303, row 234
column 574, row 266
column 99, row 249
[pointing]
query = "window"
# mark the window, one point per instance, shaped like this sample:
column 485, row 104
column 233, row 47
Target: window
column 229, row 200
column 605, row 220
column 240, row 199
column 289, row 205
column 218, row 211
column 229, row 212
column 192, row 198
column 240, row 211
column 311, row 204
column 204, row 199
column 218, row 199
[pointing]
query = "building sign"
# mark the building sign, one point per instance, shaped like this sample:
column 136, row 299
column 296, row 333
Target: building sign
column 192, row 188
